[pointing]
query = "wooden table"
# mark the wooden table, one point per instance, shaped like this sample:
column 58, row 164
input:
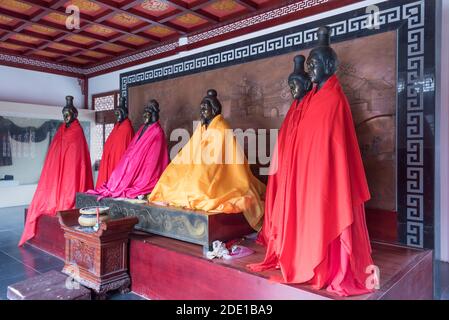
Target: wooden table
column 97, row 260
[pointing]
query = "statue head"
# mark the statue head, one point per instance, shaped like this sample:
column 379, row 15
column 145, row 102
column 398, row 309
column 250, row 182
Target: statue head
column 210, row 107
column 121, row 112
column 299, row 80
column 151, row 112
column 69, row 112
column 322, row 62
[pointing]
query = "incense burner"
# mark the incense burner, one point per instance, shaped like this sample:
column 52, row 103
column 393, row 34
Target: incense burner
column 88, row 215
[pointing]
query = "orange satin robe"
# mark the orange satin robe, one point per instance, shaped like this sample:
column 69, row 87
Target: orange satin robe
column 200, row 178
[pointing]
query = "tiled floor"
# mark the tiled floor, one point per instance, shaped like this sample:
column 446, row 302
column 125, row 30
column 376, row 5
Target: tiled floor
column 17, row 264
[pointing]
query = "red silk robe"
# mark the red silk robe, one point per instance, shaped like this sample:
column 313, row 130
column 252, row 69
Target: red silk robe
column 314, row 226
column 114, row 148
column 66, row 171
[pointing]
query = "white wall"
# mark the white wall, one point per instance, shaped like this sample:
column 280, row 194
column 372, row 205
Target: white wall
column 111, row 81
column 22, row 194
column 27, row 86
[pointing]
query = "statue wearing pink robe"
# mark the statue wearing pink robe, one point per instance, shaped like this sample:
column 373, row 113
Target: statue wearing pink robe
column 140, row 167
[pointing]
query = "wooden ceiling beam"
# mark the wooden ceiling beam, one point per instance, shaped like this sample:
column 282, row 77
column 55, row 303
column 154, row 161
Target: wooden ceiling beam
column 33, row 49
column 21, row 27
column 65, row 33
column 5, row 37
column 57, row 4
column 178, row 4
column 185, row 9
column 89, row 59
column 37, row 35
column 201, row 5
column 176, row 27
column 252, row 6
column 88, row 19
column 40, row 15
column 130, row 4
column 14, row 15
column 7, row 30
column 108, row 14
column 135, row 14
column 112, row 8
column 207, row 14
column 67, row 56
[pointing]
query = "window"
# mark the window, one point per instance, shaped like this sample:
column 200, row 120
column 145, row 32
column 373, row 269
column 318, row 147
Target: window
column 103, row 104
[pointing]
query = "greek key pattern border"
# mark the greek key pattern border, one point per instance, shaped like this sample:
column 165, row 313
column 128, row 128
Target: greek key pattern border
column 39, row 63
column 415, row 14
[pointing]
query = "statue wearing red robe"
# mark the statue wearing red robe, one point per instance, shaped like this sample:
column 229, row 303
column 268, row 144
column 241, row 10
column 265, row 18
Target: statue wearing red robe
column 314, row 226
column 113, row 150
column 66, row 171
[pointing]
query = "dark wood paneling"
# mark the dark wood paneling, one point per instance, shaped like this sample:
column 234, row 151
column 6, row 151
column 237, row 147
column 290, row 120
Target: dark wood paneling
column 382, row 225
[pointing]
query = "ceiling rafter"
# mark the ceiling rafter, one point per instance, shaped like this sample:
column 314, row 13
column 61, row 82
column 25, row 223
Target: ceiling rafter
column 89, row 19
column 32, row 50
column 127, row 8
column 114, row 9
column 45, row 39
column 248, row 4
column 99, row 41
column 156, row 25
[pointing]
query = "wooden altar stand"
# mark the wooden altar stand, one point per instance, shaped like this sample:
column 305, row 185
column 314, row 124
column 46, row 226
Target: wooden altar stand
column 166, row 268
column 404, row 274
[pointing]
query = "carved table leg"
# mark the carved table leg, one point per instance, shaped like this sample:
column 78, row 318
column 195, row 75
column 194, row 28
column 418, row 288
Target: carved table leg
column 124, row 289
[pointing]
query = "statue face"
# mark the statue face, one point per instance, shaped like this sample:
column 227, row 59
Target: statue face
column 316, row 69
column 296, row 89
column 150, row 114
column 146, row 116
column 68, row 116
column 206, row 113
column 119, row 115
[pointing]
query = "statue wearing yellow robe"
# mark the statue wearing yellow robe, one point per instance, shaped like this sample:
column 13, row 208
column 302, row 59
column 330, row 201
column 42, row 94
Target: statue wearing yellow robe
column 211, row 173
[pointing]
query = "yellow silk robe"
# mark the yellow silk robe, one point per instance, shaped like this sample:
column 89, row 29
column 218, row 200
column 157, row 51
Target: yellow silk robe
column 211, row 173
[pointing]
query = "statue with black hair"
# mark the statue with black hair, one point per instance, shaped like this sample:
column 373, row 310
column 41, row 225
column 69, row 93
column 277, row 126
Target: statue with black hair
column 322, row 62
column 210, row 107
column 142, row 163
column 150, row 115
column 69, row 112
column 211, row 172
column 121, row 111
column 116, row 143
column 314, row 227
column 67, row 170
column 299, row 81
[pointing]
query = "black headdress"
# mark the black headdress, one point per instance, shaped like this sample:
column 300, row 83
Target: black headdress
column 212, row 99
column 299, row 73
